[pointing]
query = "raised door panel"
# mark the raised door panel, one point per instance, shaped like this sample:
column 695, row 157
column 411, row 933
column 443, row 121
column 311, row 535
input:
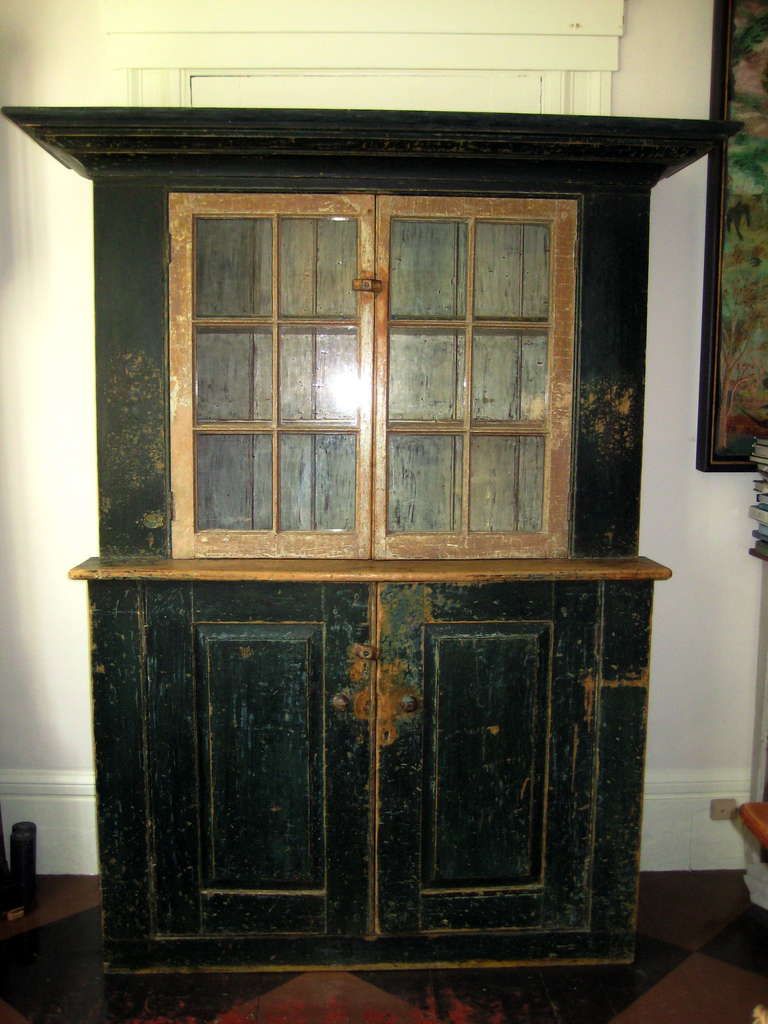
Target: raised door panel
column 486, row 756
column 259, row 782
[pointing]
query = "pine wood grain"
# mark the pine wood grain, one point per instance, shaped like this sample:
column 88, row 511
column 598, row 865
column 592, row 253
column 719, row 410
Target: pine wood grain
column 363, row 570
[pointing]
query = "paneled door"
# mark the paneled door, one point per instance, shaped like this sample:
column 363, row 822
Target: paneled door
column 486, row 756
column 301, row 786
column 258, row 727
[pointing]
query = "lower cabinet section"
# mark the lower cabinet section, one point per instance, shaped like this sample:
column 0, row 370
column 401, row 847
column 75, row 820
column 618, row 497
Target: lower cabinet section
column 340, row 774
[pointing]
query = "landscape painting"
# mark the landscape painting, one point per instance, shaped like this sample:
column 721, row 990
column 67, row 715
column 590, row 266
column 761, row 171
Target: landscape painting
column 734, row 389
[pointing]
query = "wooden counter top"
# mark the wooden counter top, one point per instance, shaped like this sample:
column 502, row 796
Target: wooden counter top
column 364, row 571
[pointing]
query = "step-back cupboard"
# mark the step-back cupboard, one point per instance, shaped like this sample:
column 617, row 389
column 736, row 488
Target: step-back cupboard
column 370, row 630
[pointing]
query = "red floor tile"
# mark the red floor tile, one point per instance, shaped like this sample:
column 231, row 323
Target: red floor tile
column 9, row 1016
column 326, row 998
column 688, row 908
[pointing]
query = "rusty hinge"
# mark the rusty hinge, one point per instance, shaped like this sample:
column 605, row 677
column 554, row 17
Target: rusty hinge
column 172, row 506
column 367, row 284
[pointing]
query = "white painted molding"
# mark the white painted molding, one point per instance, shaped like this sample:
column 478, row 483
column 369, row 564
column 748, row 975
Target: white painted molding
column 526, row 57
column 694, row 783
column 364, row 51
column 63, row 806
column 42, row 782
column 678, row 834
column 553, row 17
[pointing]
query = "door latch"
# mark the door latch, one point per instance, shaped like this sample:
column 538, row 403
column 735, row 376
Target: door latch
column 367, row 284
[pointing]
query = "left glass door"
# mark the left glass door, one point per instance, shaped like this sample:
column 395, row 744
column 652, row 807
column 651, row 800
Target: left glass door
column 271, row 375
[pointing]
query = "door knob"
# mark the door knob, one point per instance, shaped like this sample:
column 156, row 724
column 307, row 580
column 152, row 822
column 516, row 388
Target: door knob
column 340, row 702
column 408, row 704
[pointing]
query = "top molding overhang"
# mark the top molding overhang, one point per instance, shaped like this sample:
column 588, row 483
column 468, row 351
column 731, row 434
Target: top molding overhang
column 149, row 142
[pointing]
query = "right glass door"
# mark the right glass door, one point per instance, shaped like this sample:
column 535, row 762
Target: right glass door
column 474, row 366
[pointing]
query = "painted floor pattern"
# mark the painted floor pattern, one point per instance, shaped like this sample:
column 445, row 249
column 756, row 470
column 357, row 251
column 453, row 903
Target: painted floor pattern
column 702, row 958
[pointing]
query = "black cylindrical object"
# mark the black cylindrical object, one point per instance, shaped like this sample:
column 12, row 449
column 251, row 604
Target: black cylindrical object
column 23, row 860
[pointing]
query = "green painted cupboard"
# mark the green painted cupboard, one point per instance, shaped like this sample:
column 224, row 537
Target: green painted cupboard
column 370, row 630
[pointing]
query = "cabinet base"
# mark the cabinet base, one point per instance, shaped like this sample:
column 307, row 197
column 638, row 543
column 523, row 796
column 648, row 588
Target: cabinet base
column 300, row 953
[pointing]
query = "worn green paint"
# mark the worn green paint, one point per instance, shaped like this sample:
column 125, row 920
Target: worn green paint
column 561, row 667
column 585, row 675
column 121, row 758
column 131, row 374
column 517, row 659
column 260, row 789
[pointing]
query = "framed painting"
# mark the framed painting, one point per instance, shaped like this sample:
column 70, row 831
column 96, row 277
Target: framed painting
column 733, row 401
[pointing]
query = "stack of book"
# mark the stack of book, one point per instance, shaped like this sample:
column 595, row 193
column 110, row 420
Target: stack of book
column 759, row 511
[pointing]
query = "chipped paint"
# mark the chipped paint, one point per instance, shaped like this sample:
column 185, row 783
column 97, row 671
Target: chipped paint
column 153, row 520
column 636, row 679
column 610, row 413
column 590, row 687
column 392, row 691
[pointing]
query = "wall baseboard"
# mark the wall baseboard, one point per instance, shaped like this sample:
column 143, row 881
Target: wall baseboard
column 677, row 832
column 63, row 806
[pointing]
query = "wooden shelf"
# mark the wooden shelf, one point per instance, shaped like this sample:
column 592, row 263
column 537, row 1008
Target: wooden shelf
column 361, row 571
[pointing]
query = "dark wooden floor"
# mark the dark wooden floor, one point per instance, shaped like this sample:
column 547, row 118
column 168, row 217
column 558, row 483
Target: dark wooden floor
column 702, row 959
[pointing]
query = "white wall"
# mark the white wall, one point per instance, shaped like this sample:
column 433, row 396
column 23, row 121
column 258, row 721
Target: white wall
column 701, row 720
column 49, row 56
column 705, row 621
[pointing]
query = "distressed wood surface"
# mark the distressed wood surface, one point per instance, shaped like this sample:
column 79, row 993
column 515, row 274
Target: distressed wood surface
column 259, row 787
column 341, row 570
column 152, row 141
column 251, row 473
column 609, row 400
column 486, row 789
column 131, row 369
column 506, row 799
column 119, row 712
column 501, row 274
column 620, row 736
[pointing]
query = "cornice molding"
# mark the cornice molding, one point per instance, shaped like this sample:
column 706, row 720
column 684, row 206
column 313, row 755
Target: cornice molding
column 145, row 142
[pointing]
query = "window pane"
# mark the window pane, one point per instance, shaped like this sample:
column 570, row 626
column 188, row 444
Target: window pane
column 424, row 483
column 507, row 484
column 509, row 376
column 233, row 376
column 319, row 378
column 428, row 269
column 317, row 481
column 511, row 271
column 233, row 267
column 318, row 263
column 426, row 375
column 234, row 482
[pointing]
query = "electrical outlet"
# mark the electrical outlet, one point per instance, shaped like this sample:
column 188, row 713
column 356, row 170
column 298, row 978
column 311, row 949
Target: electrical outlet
column 722, row 810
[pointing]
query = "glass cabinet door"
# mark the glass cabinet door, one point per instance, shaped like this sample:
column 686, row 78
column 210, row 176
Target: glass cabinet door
column 290, row 314
column 474, row 364
column 270, row 375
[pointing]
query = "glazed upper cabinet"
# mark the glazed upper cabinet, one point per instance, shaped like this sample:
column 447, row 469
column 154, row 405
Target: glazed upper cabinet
column 356, row 376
